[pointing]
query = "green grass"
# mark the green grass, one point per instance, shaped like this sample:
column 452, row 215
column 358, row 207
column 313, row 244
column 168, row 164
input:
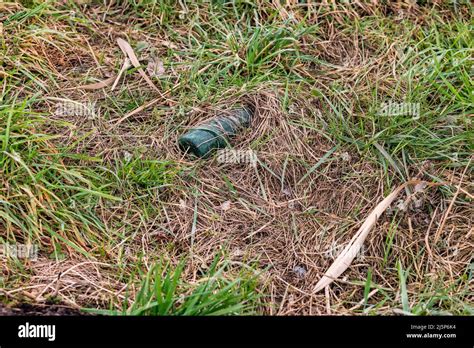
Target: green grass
column 147, row 173
column 41, row 195
column 163, row 292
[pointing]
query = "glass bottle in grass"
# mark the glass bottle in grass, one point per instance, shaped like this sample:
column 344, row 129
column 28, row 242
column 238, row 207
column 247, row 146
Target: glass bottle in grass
column 201, row 141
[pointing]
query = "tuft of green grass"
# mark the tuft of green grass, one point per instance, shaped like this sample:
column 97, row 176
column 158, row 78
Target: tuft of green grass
column 402, row 276
column 147, row 173
column 43, row 193
column 163, row 292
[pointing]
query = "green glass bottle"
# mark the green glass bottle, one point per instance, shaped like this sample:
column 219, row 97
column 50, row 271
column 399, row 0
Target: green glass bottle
column 215, row 133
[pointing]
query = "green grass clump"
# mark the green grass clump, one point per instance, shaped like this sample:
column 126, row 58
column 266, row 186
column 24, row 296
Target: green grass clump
column 147, row 173
column 43, row 193
column 163, row 292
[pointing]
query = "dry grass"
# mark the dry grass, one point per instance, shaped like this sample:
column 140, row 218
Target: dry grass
column 317, row 178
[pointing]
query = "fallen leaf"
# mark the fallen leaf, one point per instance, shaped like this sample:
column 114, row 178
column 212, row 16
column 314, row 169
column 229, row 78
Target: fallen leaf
column 98, row 85
column 125, row 66
column 345, row 258
column 128, row 51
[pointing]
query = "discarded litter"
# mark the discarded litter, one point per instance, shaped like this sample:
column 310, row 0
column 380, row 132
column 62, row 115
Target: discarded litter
column 215, row 133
